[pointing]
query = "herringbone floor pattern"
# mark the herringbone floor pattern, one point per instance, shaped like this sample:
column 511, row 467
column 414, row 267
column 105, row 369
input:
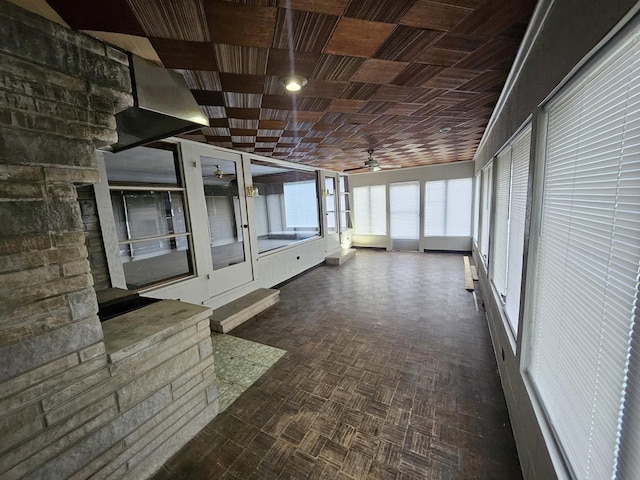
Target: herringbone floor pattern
column 389, row 375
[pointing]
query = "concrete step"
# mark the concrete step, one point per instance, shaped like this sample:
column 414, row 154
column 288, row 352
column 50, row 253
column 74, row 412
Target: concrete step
column 229, row 316
column 340, row 256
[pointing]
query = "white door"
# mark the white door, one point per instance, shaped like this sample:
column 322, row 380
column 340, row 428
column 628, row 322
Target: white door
column 226, row 212
column 331, row 204
column 405, row 215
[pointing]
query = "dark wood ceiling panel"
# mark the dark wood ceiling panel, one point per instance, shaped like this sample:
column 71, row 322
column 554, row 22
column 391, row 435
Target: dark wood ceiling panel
column 336, row 67
column 245, row 60
column 376, row 70
column 344, row 105
column 323, row 88
column 302, row 31
column 243, row 114
column 405, row 43
column 384, row 74
column 202, row 80
column 234, row 82
column 330, row 7
column 113, row 16
column 281, row 62
column 180, row 54
column 386, row 11
column 206, row 97
column 358, row 38
column 435, row 15
column 238, row 24
column 416, row 74
column 175, row 19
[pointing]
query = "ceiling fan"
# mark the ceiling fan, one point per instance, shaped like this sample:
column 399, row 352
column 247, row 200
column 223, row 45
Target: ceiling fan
column 371, row 164
column 219, row 173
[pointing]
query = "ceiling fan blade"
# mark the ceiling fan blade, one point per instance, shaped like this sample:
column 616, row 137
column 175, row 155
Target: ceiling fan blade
column 390, row 166
column 352, row 169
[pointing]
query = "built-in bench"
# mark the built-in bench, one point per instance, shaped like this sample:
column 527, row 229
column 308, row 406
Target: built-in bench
column 229, row 316
column 341, row 256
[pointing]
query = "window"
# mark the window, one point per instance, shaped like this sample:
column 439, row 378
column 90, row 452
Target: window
column 223, row 211
column 370, row 205
column 149, row 210
column 405, row 211
column 584, row 304
column 485, row 210
column 500, row 238
column 344, row 204
column 447, row 208
column 520, row 152
column 476, row 207
column 286, row 207
column 330, row 198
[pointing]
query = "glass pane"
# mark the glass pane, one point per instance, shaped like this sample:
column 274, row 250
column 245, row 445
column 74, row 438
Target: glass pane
column 405, row 210
column 147, row 214
column 286, row 207
column 153, row 261
column 330, row 198
column 223, row 211
column 143, row 166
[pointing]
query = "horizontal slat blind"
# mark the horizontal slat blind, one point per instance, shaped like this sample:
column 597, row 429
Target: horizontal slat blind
column 520, row 151
column 586, row 279
column 476, row 207
column 485, row 210
column 370, row 210
column 458, row 219
column 435, row 198
column 500, row 252
column 301, row 204
column 405, row 210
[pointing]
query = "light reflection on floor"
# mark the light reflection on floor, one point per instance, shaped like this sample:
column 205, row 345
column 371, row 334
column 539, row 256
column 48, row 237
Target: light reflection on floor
column 239, row 363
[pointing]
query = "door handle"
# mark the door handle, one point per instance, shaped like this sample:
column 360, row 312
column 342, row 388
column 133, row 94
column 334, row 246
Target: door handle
column 245, row 226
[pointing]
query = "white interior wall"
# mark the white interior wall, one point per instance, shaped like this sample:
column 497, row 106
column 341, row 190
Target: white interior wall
column 421, row 174
column 561, row 38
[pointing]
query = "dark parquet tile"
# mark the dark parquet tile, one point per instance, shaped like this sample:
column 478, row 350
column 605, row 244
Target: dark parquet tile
column 389, row 374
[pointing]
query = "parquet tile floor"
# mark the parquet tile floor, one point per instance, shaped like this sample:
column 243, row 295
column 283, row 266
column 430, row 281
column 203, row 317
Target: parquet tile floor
column 389, row 374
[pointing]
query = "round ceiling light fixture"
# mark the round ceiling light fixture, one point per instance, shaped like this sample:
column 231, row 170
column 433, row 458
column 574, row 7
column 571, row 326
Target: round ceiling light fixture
column 445, row 130
column 293, row 82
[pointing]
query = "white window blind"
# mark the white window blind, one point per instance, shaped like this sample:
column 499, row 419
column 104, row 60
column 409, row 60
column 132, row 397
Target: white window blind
column 587, row 263
column 301, row 204
column 485, row 210
column 458, row 219
column 447, row 208
column 435, row 208
column 405, row 210
column 370, row 210
column 520, row 151
column 500, row 238
column 476, row 207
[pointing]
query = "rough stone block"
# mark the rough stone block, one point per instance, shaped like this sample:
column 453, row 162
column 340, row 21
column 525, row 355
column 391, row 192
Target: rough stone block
column 18, row 244
column 39, row 390
column 197, row 369
column 92, row 352
column 35, row 326
column 21, row 191
column 36, row 351
column 212, row 393
column 77, row 389
column 152, row 463
column 21, row 218
column 54, row 444
column 22, row 174
column 19, row 426
column 13, row 280
column 82, row 304
column 117, row 55
column 137, row 390
column 185, row 387
column 75, row 268
column 11, row 387
column 92, row 469
column 71, row 175
column 27, row 260
column 50, row 289
column 206, row 348
column 15, row 314
column 83, row 452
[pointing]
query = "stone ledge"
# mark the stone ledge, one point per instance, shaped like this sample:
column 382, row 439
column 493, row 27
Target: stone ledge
column 229, row 316
column 341, row 256
column 137, row 330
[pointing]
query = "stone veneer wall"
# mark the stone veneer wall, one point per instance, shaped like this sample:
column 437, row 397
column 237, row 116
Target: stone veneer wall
column 66, row 408
column 93, row 237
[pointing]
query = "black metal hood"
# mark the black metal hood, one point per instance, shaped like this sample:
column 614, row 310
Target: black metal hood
column 163, row 106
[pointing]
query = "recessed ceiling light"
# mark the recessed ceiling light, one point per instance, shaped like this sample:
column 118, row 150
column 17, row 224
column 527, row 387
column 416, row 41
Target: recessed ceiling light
column 445, row 129
column 293, row 83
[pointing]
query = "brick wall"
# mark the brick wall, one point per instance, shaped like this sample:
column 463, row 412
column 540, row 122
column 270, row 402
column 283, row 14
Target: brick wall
column 62, row 409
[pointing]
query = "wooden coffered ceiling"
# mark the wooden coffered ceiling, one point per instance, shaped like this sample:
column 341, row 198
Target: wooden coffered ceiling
column 382, row 74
